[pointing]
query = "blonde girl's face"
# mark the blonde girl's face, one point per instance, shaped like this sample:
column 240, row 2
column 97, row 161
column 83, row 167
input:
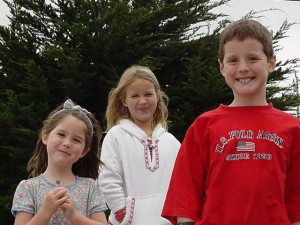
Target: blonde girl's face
column 141, row 100
column 66, row 142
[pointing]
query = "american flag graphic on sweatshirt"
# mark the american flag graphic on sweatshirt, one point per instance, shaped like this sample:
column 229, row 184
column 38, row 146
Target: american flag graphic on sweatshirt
column 245, row 146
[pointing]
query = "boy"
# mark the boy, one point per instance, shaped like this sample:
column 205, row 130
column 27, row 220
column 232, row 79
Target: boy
column 239, row 164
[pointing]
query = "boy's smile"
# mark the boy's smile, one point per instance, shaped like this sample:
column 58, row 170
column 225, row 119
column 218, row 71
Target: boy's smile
column 246, row 69
column 244, row 80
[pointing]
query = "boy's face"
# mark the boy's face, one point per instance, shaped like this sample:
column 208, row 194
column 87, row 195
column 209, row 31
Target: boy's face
column 246, row 68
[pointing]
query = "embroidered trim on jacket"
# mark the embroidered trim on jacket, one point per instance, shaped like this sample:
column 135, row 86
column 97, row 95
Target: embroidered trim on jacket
column 150, row 148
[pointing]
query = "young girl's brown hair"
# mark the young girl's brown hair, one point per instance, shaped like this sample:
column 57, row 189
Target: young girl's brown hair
column 87, row 166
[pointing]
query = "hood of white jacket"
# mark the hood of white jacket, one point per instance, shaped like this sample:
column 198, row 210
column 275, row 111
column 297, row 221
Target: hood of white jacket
column 133, row 129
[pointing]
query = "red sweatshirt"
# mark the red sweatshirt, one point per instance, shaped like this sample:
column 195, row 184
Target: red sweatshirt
column 238, row 166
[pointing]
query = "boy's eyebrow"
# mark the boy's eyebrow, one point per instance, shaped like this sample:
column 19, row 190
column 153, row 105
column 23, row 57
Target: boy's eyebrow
column 230, row 56
column 250, row 53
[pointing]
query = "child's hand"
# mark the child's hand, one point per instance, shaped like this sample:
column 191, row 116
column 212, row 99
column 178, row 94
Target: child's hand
column 54, row 199
column 67, row 207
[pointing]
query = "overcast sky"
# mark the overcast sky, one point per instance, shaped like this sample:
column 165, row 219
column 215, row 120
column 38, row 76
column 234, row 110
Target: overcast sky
column 287, row 10
column 237, row 8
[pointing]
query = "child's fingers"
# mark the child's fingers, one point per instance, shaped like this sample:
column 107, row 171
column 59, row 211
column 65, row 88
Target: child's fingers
column 57, row 189
column 68, row 199
column 62, row 192
column 65, row 204
column 58, row 192
column 62, row 200
column 54, row 199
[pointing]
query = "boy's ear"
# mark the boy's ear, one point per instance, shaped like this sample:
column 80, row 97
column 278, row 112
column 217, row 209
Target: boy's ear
column 221, row 67
column 272, row 63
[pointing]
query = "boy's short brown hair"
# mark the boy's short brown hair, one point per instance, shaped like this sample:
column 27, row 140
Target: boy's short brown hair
column 247, row 28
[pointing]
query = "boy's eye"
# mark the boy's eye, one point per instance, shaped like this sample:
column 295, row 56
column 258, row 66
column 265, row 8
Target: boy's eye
column 61, row 134
column 253, row 58
column 232, row 60
column 77, row 140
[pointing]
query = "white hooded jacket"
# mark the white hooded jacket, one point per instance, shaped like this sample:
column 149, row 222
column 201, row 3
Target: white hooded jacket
column 139, row 170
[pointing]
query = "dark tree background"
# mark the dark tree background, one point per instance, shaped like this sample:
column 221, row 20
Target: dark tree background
column 78, row 49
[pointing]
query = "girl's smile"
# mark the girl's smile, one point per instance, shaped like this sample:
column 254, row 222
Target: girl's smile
column 64, row 152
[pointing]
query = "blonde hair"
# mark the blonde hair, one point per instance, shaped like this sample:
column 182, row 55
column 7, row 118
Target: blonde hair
column 247, row 28
column 116, row 110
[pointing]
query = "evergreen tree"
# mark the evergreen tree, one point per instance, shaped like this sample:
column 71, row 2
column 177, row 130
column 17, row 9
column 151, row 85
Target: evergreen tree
column 71, row 48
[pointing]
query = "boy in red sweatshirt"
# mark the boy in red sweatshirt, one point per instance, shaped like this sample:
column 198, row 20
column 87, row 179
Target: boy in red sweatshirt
column 239, row 164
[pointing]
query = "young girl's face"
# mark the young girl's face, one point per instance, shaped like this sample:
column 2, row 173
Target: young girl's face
column 141, row 100
column 66, row 142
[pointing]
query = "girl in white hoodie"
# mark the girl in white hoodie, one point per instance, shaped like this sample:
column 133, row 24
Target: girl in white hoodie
column 137, row 151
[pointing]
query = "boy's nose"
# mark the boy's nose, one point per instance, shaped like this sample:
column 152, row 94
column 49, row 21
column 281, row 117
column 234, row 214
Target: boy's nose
column 243, row 67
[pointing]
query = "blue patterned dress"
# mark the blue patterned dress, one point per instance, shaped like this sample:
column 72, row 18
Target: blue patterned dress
column 86, row 194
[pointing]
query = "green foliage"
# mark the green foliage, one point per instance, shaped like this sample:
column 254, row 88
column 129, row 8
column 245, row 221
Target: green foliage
column 78, row 49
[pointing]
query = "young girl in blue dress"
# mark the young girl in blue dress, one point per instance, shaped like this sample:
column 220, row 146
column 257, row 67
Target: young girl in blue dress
column 64, row 167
